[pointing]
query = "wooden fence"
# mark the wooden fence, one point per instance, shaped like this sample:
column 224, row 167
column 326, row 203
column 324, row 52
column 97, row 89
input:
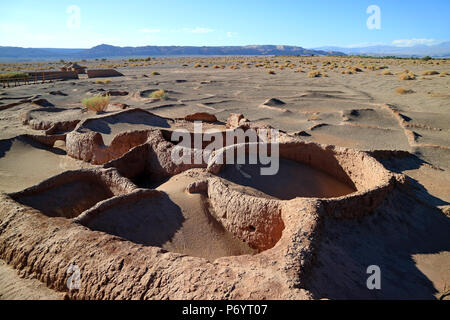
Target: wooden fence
column 39, row 77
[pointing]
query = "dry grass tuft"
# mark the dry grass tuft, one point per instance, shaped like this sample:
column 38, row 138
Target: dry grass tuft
column 314, row 74
column 403, row 91
column 386, row 73
column 159, row 94
column 107, row 81
column 407, row 76
column 97, row 103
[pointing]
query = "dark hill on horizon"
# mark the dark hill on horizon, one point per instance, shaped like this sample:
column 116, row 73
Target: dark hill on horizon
column 108, row 51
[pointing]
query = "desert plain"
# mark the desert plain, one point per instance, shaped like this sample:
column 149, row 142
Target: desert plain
column 364, row 180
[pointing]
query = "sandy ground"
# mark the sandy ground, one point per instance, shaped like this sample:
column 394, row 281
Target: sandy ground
column 13, row 287
column 360, row 110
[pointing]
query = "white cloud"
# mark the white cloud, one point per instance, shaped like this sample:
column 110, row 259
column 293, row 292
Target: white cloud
column 149, row 30
column 414, row 42
column 198, row 30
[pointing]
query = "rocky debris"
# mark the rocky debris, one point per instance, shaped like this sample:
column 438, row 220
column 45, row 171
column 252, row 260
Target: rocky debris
column 201, row 116
column 198, row 186
column 236, row 120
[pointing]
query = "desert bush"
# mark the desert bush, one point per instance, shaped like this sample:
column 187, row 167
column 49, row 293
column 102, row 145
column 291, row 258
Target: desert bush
column 156, row 73
column 386, row 73
column 271, row 72
column 97, row 103
column 314, row 117
column 355, row 69
column 314, row 74
column 403, row 91
column 13, row 75
column 107, row 81
column 159, row 94
column 407, row 76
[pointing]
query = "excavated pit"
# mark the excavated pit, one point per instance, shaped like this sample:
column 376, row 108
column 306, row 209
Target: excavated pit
column 292, row 180
column 25, row 162
column 344, row 180
column 69, row 194
column 169, row 218
column 262, row 233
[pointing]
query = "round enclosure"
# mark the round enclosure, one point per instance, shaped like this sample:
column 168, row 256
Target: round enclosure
column 345, row 180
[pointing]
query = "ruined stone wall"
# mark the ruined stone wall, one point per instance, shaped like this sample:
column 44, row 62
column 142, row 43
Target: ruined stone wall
column 103, row 73
column 53, row 75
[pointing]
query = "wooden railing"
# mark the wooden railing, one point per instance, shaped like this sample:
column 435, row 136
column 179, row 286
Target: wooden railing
column 38, row 77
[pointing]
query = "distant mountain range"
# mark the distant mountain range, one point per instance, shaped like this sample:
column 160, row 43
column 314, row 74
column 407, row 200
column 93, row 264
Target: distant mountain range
column 441, row 50
column 108, row 51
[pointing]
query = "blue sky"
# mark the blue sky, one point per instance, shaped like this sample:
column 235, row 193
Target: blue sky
column 307, row 23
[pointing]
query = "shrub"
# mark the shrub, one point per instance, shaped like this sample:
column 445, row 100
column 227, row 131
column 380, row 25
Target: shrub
column 403, row 91
column 386, row 73
column 107, row 81
column 407, row 76
column 159, row 94
column 271, row 72
column 355, row 69
column 97, row 103
column 13, row 75
column 317, row 74
column 156, row 73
